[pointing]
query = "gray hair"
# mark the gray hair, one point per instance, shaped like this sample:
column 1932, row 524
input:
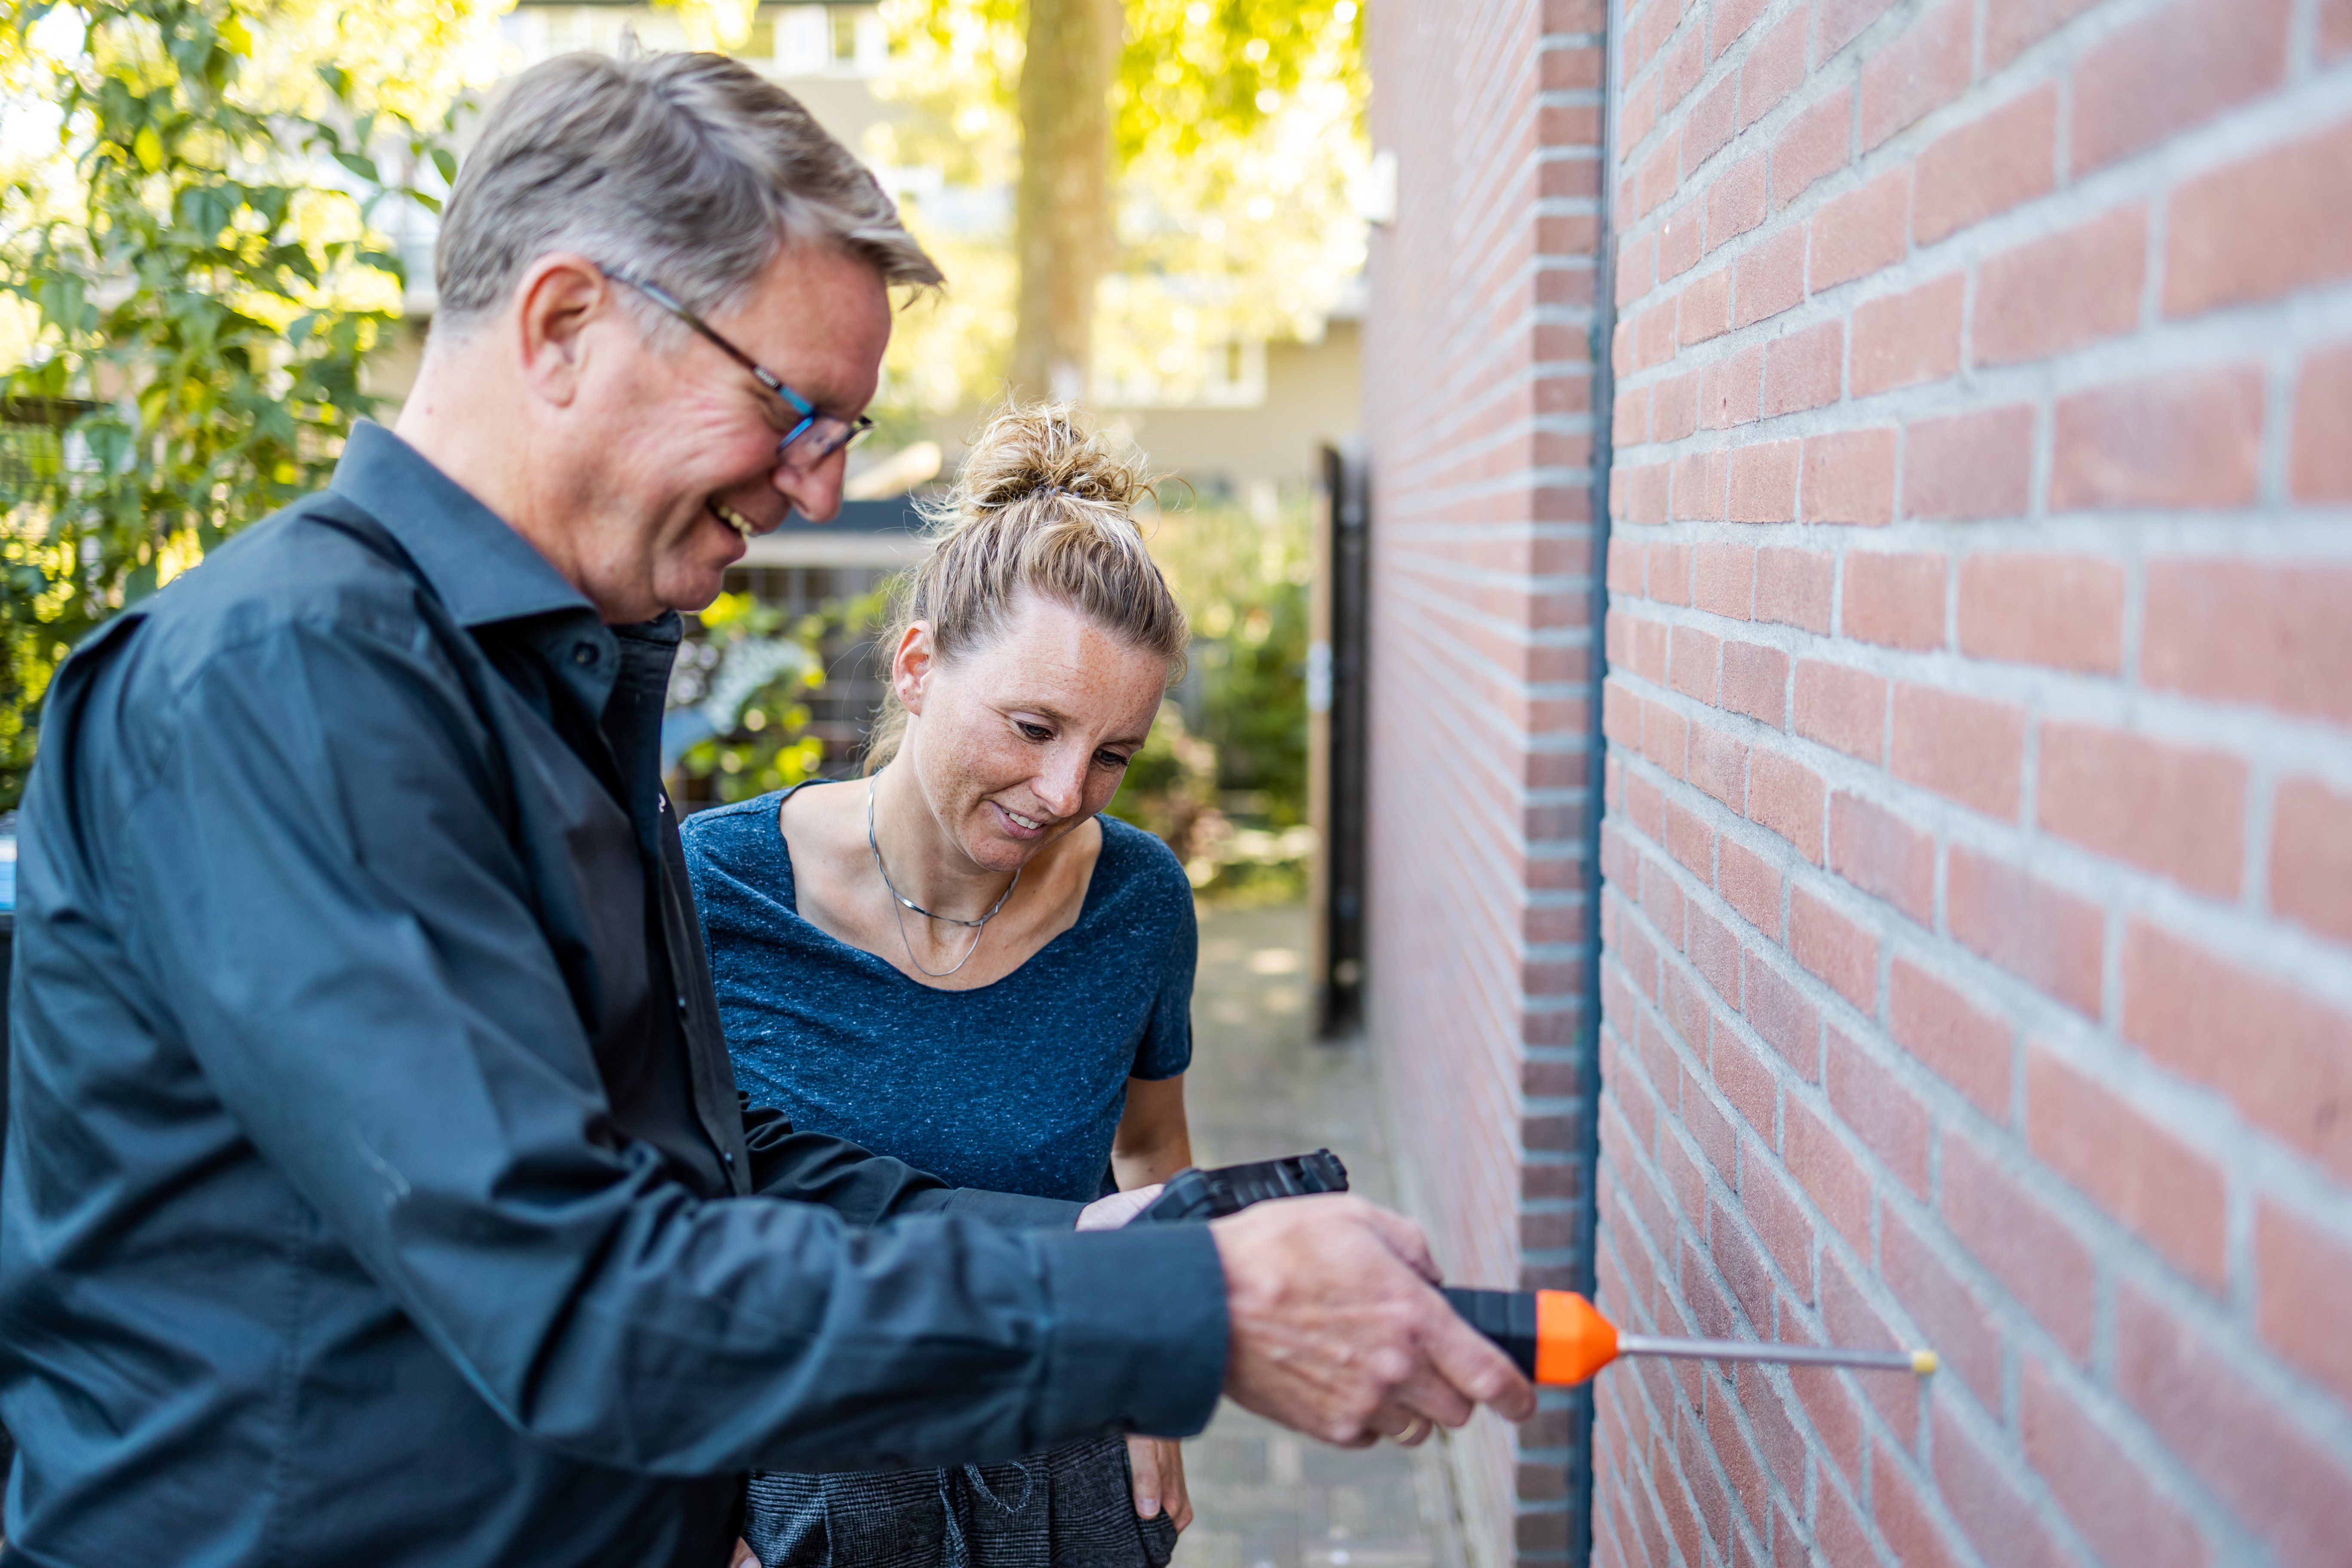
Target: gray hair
column 688, row 170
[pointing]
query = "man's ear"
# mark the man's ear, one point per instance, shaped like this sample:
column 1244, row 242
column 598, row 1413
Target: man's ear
column 560, row 297
column 910, row 666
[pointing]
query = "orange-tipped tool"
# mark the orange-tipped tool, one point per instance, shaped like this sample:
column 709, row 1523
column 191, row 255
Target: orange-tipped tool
column 1557, row 1337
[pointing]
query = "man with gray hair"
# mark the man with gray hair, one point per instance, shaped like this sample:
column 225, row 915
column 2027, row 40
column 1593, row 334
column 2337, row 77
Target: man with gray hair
column 377, row 1188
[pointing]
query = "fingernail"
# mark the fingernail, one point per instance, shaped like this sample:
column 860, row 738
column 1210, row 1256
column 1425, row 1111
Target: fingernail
column 1148, row 1507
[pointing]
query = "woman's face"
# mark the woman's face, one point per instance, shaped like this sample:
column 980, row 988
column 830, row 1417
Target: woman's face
column 1015, row 742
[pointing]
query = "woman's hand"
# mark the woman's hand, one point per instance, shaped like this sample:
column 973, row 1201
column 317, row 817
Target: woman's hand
column 744, row 1557
column 1159, row 1466
column 1114, row 1211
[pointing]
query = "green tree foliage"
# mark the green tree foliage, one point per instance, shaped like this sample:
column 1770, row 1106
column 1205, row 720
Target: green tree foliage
column 198, row 285
column 1236, row 133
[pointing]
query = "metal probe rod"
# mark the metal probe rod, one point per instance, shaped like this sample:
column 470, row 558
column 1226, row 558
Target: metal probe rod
column 1920, row 1361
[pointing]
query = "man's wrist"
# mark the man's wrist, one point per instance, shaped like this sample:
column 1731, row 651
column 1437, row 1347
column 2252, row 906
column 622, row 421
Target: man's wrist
column 1138, row 1330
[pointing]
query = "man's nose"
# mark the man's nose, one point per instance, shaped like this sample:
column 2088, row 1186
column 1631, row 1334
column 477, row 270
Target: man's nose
column 816, row 493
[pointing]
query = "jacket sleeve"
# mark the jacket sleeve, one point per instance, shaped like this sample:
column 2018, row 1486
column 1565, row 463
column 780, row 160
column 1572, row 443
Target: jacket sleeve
column 316, row 873
column 865, row 1188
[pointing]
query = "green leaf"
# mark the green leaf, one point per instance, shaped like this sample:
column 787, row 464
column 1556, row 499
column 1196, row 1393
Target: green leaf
column 446, row 161
column 363, row 168
column 148, row 148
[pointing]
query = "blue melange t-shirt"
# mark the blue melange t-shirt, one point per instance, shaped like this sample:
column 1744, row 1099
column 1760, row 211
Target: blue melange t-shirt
column 1016, row 1086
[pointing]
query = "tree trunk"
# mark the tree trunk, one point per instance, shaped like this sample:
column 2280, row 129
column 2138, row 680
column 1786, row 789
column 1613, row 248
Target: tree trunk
column 1062, row 223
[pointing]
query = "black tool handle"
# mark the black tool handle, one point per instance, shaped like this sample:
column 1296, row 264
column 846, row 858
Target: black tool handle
column 1506, row 1317
column 1194, row 1195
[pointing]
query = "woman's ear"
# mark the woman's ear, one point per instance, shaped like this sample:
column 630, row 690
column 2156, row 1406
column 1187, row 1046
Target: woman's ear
column 910, row 666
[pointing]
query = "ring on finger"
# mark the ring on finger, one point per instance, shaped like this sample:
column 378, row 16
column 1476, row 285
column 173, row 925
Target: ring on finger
column 1416, row 1432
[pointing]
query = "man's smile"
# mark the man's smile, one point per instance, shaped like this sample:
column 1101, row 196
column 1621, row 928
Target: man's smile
column 734, row 519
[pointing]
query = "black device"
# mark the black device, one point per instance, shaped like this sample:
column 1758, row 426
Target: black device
column 1195, row 1193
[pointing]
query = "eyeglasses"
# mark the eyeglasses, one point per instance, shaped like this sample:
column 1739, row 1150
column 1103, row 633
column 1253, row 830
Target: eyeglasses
column 807, row 444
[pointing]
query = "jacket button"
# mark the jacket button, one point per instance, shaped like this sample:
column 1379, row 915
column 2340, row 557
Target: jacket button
column 584, row 653
column 729, row 1156
column 681, row 1007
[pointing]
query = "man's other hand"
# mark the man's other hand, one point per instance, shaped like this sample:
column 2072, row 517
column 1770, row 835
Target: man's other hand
column 1111, row 1212
column 1336, row 1332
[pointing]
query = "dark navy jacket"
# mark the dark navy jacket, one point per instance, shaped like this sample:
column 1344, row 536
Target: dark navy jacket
column 376, row 1188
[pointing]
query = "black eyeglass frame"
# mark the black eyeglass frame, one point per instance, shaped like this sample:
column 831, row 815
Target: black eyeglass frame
column 830, row 431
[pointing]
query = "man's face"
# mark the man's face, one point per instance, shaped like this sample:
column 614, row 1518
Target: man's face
column 674, row 451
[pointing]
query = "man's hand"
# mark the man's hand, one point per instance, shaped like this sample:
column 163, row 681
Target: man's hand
column 1159, row 1467
column 1111, row 1212
column 1337, row 1334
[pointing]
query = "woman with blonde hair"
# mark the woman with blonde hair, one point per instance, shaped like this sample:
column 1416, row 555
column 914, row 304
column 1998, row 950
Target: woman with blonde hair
column 957, row 961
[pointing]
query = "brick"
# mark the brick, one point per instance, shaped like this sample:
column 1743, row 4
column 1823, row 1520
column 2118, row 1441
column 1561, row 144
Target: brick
column 1974, row 465
column 1882, row 855
column 1774, row 66
column 2323, row 412
column 1698, row 487
column 2012, row 27
column 1718, row 763
column 1714, row 952
column 2335, row 30
column 1645, row 646
column 1795, row 587
column 1804, row 369
column 1733, row 1247
column 1630, row 421
column 2287, row 1490
column 1905, row 339
column 1841, row 708
column 1637, row 267
column 2186, row 440
column 1670, row 572
column 2061, row 292
column 2049, row 939
column 1921, row 70
column 1705, row 309
column 1991, row 1514
column 1829, row 1173
column 1755, row 682
column 1763, row 487
column 1691, row 663
column 1817, row 142
column 2161, row 1189
column 1660, row 175
column 2174, row 70
column 1875, row 1107
column 1780, row 1221
column 1951, row 1037
column 2107, row 1493
column 1849, row 1318
column 1783, row 1019
column 1735, row 201
column 1748, row 884
column 2282, row 1057
column 2173, row 810
column 1684, row 63
column 1997, row 161
column 1772, row 277
column 1842, row 21
column 1640, row 490
column 1673, row 405
column 1834, row 949
column 1728, row 389
column 1710, row 124
column 1850, row 477
column 2065, row 612
column 1786, row 797
column 1665, row 736
column 2311, row 853
column 1723, row 580
column 2303, row 1287
column 1903, row 1519
column 2262, row 227
column 1963, row 748
column 1854, row 235
column 1949, row 1316
column 2245, row 631
column 1690, row 841
column 2039, row 1260
column 1896, row 600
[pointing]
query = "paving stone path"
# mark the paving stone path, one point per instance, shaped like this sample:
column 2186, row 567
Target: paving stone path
column 1259, row 1087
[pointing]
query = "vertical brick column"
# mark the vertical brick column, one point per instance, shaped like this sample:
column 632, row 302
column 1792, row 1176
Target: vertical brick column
column 1479, row 362
column 1978, row 847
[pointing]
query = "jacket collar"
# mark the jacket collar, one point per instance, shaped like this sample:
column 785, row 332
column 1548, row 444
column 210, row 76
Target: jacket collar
column 483, row 569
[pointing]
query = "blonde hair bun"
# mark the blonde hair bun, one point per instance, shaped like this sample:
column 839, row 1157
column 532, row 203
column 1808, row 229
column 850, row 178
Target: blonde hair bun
column 1041, row 505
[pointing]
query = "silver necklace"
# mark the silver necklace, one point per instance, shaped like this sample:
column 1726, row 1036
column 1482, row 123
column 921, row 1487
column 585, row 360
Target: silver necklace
column 901, row 903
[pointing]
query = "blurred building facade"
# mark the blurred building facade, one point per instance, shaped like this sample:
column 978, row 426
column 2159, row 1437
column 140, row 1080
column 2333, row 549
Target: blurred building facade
column 1972, row 926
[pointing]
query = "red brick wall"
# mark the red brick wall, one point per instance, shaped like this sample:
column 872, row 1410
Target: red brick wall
column 1978, row 847
column 1478, row 391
